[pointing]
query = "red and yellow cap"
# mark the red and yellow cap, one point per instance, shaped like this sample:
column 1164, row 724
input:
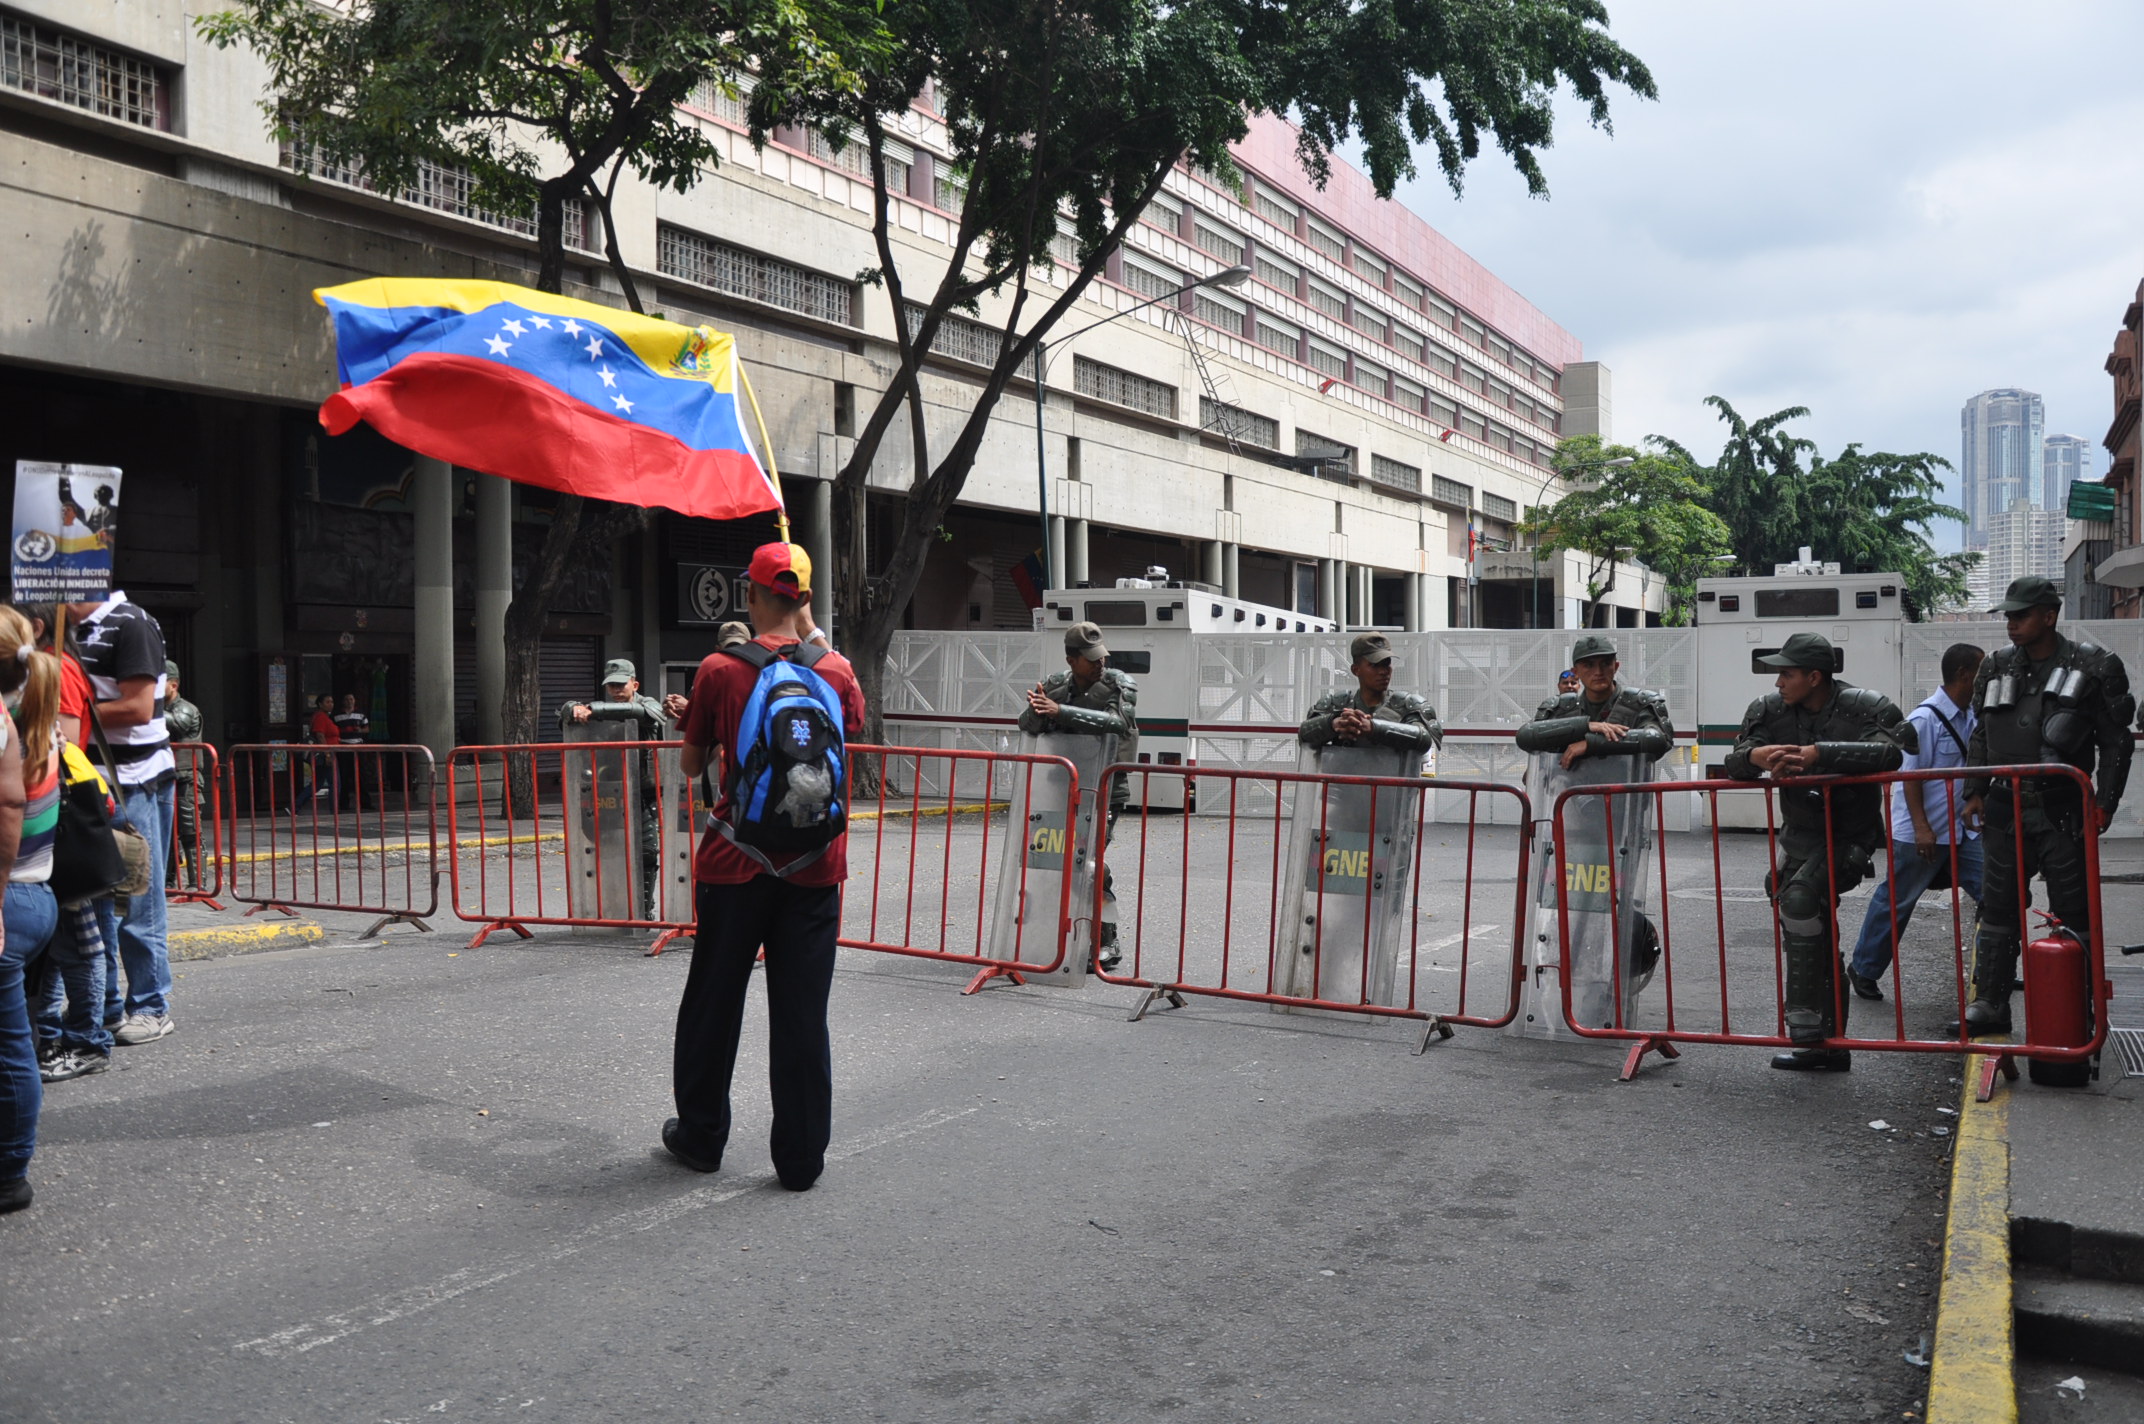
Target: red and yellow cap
column 781, row 568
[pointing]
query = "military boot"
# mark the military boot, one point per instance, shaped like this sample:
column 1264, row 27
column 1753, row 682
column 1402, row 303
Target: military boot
column 1812, row 1004
column 1995, row 953
column 1811, row 995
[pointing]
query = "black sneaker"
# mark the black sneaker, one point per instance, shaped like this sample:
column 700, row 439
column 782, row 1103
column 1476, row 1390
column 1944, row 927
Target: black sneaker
column 673, row 1132
column 1815, row 1060
column 73, row 1063
column 15, row 1195
column 1864, row 987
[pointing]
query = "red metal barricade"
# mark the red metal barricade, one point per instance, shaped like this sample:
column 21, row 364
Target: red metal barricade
column 1186, row 926
column 197, row 848
column 295, row 843
column 927, row 851
column 558, row 834
column 1736, row 986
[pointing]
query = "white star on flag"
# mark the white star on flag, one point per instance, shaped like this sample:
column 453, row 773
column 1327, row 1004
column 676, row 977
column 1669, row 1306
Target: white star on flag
column 571, row 327
column 541, row 323
column 515, row 327
column 609, row 381
column 498, row 346
column 622, row 403
column 595, row 347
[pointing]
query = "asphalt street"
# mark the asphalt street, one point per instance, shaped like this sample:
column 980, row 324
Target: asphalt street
column 405, row 1181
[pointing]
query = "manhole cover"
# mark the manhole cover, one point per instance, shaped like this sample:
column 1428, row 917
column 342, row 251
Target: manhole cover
column 2129, row 1044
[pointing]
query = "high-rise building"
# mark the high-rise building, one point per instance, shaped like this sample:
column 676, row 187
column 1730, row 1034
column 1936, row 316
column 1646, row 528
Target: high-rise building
column 2024, row 539
column 2064, row 460
column 1999, row 457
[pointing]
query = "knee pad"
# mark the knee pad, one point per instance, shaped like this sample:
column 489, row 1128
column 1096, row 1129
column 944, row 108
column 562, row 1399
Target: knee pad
column 1802, row 910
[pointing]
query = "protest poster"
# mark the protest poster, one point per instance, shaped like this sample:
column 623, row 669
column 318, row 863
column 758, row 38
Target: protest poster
column 66, row 526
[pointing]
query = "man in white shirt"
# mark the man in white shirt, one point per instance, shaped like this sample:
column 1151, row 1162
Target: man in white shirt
column 1926, row 820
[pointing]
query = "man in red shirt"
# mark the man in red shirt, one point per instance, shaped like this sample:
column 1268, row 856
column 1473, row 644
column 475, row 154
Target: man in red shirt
column 744, row 905
column 321, row 731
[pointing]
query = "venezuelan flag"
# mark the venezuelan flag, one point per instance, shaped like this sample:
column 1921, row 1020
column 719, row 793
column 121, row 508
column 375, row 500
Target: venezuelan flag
column 547, row 391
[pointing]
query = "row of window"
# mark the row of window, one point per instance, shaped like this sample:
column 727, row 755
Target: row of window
column 53, row 64
column 1150, row 278
column 708, row 262
column 1230, row 247
column 448, row 188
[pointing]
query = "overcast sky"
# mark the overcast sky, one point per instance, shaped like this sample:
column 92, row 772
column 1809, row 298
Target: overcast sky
column 1873, row 209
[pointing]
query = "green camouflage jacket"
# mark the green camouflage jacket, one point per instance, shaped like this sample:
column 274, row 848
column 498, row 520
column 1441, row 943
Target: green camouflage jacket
column 1402, row 720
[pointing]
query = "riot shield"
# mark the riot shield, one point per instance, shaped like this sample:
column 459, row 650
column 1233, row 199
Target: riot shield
column 1346, row 890
column 1614, row 946
column 602, row 793
column 1056, row 839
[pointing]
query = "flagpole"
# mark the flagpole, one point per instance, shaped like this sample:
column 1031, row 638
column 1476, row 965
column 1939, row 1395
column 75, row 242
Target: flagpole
column 766, row 446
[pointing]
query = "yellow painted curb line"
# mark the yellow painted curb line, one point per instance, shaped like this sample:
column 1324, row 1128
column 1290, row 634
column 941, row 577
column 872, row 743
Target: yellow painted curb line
column 248, row 938
column 357, row 847
column 968, row 808
column 1972, row 1379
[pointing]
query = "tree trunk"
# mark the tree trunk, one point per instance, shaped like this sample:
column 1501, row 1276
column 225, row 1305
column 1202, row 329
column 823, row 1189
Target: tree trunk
column 532, row 600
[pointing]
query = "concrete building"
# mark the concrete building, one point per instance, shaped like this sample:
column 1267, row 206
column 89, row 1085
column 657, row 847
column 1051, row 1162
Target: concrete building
column 2122, row 569
column 1324, row 437
column 1999, row 460
column 2024, row 539
column 2064, row 460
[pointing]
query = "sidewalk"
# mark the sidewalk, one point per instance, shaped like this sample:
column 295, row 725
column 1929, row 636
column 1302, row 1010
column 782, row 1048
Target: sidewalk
column 2062, row 1164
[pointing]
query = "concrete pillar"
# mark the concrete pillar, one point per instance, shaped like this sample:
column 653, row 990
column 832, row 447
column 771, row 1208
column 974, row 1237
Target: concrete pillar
column 650, row 612
column 1414, row 604
column 1216, row 572
column 1075, row 572
column 819, row 543
column 494, row 590
column 1329, row 590
column 1057, row 566
column 432, row 670
column 1231, row 571
column 1365, row 613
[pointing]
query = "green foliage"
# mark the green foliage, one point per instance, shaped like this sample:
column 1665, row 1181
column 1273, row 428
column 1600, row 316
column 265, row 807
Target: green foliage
column 540, row 100
column 1651, row 511
column 1859, row 509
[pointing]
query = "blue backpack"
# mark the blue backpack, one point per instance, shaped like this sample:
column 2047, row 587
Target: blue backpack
column 788, row 772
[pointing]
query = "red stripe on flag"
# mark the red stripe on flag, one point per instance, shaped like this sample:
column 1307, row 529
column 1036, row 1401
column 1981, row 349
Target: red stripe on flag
column 485, row 416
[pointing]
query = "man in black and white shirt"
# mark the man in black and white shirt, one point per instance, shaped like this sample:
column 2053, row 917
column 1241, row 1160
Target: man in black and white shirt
column 122, row 650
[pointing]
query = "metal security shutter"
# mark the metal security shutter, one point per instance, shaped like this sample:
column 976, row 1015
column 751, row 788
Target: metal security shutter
column 570, row 667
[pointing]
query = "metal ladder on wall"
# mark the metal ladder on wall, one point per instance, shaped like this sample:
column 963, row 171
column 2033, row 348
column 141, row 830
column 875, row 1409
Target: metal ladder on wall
column 1218, row 388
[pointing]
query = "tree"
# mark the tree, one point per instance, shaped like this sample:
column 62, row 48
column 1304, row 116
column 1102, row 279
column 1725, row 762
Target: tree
column 1079, row 109
column 540, row 102
column 1650, row 511
column 1861, row 510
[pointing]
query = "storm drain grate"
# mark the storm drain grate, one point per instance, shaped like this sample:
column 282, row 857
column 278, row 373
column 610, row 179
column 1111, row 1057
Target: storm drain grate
column 2129, row 1043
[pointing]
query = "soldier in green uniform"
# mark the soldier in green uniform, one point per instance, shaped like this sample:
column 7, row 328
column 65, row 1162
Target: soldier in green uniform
column 621, row 688
column 1093, row 698
column 1602, row 718
column 183, row 720
column 1373, row 714
column 1816, row 725
column 2042, row 699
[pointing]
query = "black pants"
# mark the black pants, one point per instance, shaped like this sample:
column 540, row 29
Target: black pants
column 2055, row 852
column 798, row 925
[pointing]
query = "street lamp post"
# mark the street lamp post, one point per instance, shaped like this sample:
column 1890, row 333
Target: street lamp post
column 1619, row 462
column 1226, row 277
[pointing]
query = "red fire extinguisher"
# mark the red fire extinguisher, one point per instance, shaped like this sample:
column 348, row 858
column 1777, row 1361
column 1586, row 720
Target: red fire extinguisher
column 2058, row 1005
